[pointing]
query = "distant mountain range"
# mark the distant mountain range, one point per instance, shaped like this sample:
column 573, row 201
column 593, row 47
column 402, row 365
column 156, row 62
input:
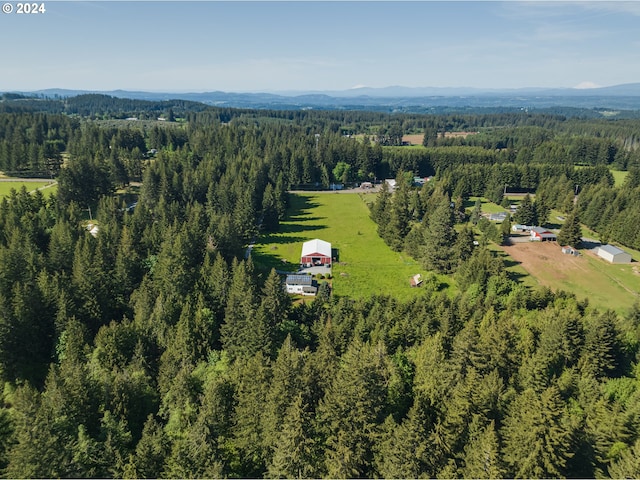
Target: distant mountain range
column 397, row 98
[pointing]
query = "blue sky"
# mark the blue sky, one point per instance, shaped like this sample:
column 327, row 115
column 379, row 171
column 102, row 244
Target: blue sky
column 282, row 46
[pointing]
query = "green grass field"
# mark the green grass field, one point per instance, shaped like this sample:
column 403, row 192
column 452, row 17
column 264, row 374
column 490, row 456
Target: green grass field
column 366, row 265
column 619, row 177
column 612, row 286
column 6, row 187
column 487, row 205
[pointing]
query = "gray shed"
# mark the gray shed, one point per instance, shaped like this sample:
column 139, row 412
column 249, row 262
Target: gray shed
column 613, row 254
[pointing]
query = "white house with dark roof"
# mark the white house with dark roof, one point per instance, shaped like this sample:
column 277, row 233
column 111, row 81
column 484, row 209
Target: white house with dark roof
column 300, row 285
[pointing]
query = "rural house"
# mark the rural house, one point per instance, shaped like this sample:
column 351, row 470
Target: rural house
column 539, row 234
column 316, row 253
column 300, row 284
column 613, row 254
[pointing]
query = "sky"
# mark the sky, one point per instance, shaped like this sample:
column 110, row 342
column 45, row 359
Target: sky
column 242, row 46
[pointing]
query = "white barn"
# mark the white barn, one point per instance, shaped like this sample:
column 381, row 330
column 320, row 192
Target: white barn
column 613, row 254
column 316, row 252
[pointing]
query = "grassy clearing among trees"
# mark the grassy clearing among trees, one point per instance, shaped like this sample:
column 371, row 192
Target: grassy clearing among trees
column 7, row 186
column 366, row 265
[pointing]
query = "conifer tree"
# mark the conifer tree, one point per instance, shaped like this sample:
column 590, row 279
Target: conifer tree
column 351, row 411
column 571, row 231
column 285, row 383
column 627, row 464
column 439, row 239
column 239, row 335
column 296, row 453
column 381, row 209
column 270, row 214
column 151, row 451
column 482, row 458
column 526, row 213
column 251, row 378
column 398, row 227
column 275, row 306
column 505, row 228
column 601, row 346
column 537, row 435
column 476, row 212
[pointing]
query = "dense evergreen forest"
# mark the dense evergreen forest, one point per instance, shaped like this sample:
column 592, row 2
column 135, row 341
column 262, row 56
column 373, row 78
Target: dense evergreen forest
column 156, row 349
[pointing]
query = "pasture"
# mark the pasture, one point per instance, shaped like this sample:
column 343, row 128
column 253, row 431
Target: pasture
column 6, row 185
column 366, row 265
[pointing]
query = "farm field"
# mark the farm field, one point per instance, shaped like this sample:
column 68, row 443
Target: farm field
column 6, row 185
column 366, row 265
column 605, row 285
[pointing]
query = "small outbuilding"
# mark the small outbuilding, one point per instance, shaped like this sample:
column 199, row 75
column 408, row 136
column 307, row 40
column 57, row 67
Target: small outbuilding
column 416, row 280
column 568, row 250
column 315, row 253
column 539, row 234
column 613, row 254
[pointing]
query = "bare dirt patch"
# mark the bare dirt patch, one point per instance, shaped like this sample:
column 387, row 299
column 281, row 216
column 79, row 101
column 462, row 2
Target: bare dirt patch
column 415, row 139
column 459, row 134
column 545, row 261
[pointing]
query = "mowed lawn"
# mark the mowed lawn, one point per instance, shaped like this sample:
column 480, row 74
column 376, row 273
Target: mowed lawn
column 366, row 265
column 6, row 187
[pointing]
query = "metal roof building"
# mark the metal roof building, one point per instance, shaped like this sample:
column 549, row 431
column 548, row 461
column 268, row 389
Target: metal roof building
column 300, row 284
column 316, row 252
column 613, row 254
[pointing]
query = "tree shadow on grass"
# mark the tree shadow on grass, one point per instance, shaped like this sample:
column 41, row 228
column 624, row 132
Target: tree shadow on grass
column 510, row 262
column 264, row 262
column 298, row 227
column 299, row 206
column 516, row 276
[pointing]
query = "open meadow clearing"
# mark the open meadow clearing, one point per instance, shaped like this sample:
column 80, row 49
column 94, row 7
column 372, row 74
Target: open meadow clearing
column 6, row 185
column 366, row 265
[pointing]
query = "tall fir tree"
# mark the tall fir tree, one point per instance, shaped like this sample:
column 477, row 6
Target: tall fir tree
column 439, row 239
column 571, row 231
column 526, row 212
